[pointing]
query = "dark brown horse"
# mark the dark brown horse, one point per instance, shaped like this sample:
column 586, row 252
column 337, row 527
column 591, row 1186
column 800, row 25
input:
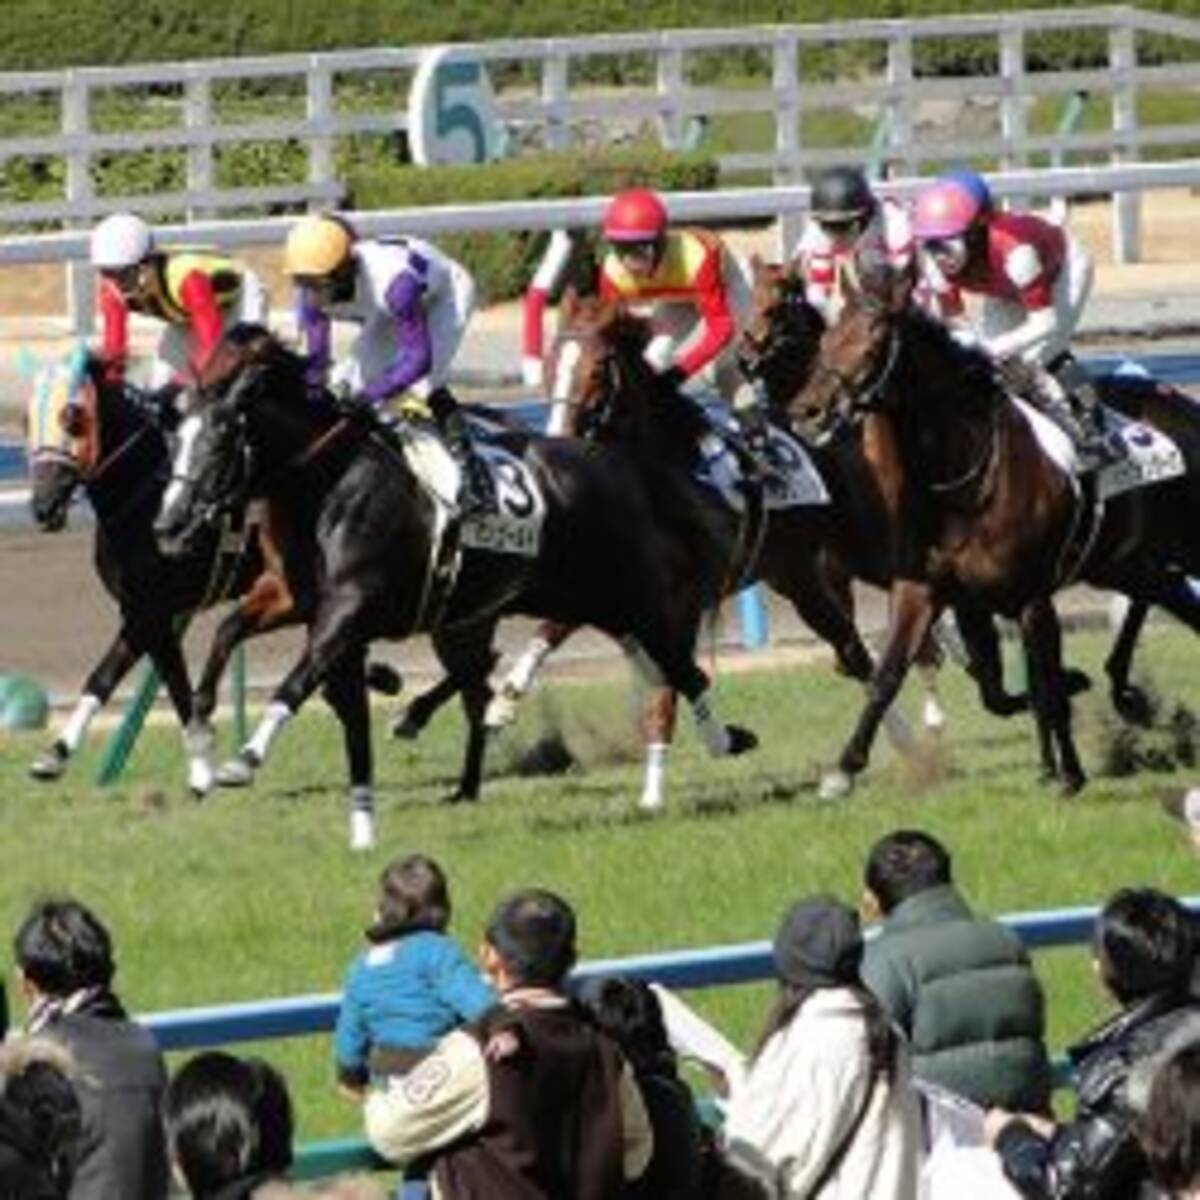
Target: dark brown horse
column 986, row 517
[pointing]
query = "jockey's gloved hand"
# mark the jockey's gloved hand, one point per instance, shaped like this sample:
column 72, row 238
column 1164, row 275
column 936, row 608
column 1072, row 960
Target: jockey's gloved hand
column 672, row 377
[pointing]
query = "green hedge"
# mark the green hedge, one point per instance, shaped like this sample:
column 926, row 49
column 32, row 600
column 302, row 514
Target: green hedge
column 503, row 263
column 50, row 33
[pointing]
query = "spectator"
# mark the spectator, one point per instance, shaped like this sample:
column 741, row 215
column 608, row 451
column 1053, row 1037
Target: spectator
column 412, row 985
column 959, row 986
column 628, row 1010
column 1144, row 947
column 827, row 1108
column 1170, row 1128
column 39, row 1120
column 229, row 1127
column 64, row 958
column 558, row 1115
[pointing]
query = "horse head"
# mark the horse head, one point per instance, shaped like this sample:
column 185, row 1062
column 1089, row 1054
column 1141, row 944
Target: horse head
column 779, row 340
column 212, row 465
column 64, row 434
column 857, row 356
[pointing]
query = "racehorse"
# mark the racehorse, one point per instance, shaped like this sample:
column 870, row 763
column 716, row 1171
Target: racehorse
column 379, row 546
column 607, row 393
column 986, row 516
column 82, row 430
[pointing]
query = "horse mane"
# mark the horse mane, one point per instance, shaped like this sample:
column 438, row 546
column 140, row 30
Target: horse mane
column 966, row 375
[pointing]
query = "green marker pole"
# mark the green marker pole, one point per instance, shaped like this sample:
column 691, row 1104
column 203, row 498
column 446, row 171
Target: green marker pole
column 120, row 745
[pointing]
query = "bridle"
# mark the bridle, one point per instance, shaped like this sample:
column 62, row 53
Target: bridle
column 851, row 399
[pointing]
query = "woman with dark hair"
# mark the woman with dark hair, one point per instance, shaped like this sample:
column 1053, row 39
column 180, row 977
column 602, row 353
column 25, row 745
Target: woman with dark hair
column 827, row 1108
column 1144, row 948
column 39, row 1121
column 229, row 1126
column 1170, row 1128
column 628, row 1010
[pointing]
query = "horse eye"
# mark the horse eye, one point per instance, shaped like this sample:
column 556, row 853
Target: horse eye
column 72, row 420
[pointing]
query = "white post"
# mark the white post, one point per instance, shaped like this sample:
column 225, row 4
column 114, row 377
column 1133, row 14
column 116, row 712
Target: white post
column 197, row 115
column 319, row 107
column 554, row 96
column 670, row 85
column 899, row 75
column 1127, row 206
column 1013, row 125
column 785, row 79
column 76, row 120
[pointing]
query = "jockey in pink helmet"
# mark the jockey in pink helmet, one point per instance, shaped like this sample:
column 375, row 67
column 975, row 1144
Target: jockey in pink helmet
column 1034, row 278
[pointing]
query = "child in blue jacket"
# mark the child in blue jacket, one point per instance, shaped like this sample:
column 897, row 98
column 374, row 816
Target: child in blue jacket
column 411, row 985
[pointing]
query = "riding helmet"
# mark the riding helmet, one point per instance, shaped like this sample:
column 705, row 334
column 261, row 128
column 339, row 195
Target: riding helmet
column 841, row 194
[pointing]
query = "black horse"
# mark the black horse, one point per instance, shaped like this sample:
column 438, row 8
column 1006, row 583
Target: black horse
column 377, row 551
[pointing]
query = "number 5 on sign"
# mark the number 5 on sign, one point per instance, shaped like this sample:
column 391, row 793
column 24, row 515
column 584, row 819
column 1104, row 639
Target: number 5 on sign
column 451, row 111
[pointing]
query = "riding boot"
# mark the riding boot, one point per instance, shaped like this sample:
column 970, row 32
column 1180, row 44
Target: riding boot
column 477, row 496
column 1079, row 392
column 752, row 425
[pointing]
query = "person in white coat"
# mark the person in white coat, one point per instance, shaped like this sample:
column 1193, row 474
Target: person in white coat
column 827, row 1109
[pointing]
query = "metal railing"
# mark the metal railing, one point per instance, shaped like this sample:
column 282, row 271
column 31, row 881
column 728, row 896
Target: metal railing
column 716, row 966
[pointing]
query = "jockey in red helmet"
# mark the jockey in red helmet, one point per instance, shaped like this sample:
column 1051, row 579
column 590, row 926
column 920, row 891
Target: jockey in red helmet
column 697, row 290
column 1034, row 278
column 850, row 229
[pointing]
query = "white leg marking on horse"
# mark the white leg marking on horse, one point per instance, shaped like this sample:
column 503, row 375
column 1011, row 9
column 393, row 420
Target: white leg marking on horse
column 274, row 719
column 652, row 780
column 86, row 707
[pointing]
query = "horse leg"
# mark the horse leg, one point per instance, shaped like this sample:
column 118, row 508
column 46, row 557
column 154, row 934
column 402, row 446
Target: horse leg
column 166, row 652
column 466, row 654
column 913, row 614
column 502, row 710
column 984, row 662
column 97, row 688
column 1042, row 634
column 335, row 633
column 345, row 691
column 929, row 665
column 659, row 716
column 411, row 722
column 1130, row 701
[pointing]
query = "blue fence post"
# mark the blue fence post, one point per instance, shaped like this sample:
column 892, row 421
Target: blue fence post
column 753, row 614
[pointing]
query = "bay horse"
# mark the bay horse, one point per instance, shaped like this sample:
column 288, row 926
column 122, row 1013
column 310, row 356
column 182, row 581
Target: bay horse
column 85, row 431
column 369, row 533
column 986, row 516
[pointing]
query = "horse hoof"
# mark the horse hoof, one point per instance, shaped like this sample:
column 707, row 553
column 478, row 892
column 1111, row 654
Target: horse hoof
column 933, row 717
column 406, row 727
column 1076, row 681
column 502, row 709
column 238, row 771
column 384, row 679
column 201, row 780
column 1133, row 706
column 835, row 785
column 741, row 741
column 651, row 802
column 1006, row 704
column 49, row 765
column 1072, row 785
column 362, row 830
column 460, row 796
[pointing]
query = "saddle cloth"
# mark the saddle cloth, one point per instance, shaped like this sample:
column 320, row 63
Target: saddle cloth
column 1150, row 456
column 798, row 483
column 516, row 525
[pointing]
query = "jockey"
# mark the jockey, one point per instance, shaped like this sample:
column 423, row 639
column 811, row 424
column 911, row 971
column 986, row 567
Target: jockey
column 197, row 293
column 1035, row 278
column 413, row 303
column 849, row 229
column 698, row 292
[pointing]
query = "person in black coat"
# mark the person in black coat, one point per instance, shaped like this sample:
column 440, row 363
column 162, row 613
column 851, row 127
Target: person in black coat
column 39, row 1121
column 1144, row 946
column 64, row 959
column 629, row 1012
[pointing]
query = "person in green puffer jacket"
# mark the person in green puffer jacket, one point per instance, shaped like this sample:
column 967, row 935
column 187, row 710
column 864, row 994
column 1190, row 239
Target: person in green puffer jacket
column 960, row 986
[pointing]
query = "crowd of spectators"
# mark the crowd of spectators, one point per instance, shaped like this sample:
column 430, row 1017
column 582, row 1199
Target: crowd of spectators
column 905, row 1065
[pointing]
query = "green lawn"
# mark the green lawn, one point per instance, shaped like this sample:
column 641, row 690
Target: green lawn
column 254, row 895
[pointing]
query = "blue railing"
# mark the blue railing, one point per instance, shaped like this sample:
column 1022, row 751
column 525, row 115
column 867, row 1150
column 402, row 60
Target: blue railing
column 716, row 966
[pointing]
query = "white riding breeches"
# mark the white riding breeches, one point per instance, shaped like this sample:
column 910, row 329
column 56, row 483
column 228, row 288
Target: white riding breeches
column 376, row 347
column 1071, row 292
column 173, row 355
